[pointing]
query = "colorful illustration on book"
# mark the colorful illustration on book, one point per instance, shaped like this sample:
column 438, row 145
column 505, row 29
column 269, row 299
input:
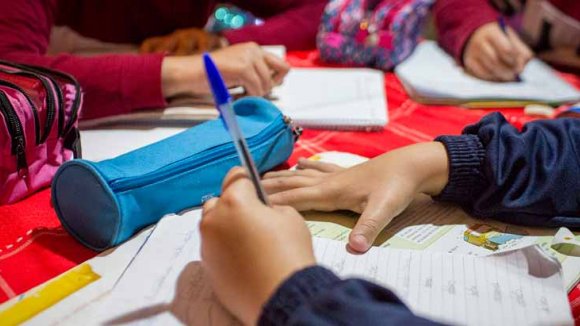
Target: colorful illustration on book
column 488, row 237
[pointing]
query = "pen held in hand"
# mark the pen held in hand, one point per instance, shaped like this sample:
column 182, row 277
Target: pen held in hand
column 223, row 102
column 503, row 27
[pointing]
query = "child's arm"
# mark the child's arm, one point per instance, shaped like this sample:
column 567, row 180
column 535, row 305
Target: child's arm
column 530, row 177
column 261, row 266
column 492, row 170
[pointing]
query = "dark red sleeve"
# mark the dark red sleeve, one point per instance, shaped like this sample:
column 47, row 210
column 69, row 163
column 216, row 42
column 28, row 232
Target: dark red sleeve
column 294, row 27
column 456, row 20
column 112, row 84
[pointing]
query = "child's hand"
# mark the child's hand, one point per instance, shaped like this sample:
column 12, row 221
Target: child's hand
column 243, row 64
column 249, row 249
column 380, row 189
column 491, row 55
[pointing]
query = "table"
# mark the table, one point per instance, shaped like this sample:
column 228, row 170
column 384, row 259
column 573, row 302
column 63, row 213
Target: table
column 34, row 247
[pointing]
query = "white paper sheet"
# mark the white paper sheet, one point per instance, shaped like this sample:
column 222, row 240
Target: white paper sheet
column 165, row 284
column 334, row 98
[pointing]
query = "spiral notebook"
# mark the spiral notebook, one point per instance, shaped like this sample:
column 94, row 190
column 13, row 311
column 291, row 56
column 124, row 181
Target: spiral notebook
column 319, row 98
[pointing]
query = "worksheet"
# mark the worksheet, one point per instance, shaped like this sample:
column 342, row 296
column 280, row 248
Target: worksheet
column 428, row 225
column 165, row 283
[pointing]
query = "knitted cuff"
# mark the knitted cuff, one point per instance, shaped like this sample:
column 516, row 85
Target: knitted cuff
column 466, row 155
column 294, row 292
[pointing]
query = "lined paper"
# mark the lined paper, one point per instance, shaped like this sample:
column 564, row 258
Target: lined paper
column 517, row 287
column 166, row 284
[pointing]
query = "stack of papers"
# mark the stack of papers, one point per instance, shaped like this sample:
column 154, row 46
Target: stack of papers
column 431, row 76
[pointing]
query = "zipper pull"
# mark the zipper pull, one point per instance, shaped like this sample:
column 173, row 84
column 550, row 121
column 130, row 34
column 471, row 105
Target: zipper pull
column 21, row 164
column 296, row 131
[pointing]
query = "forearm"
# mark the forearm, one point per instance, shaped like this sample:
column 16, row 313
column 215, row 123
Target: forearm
column 112, row 84
column 456, row 20
column 528, row 177
column 306, row 298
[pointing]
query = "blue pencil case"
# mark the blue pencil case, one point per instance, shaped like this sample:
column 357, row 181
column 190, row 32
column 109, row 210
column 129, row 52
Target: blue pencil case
column 104, row 203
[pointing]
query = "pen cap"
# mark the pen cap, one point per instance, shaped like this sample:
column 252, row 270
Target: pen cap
column 218, row 87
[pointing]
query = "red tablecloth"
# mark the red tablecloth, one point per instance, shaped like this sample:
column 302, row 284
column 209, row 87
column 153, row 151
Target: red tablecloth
column 34, row 247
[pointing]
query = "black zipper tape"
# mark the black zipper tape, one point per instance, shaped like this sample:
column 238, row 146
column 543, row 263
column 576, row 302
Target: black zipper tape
column 65, row 76
column 50, row 102
column 34, row 109
column 16, row 133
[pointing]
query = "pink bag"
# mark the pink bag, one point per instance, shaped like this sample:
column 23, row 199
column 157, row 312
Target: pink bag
column 39, row 111
column 372, row 33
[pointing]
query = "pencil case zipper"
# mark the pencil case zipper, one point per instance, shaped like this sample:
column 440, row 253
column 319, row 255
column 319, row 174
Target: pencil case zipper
column 193, row 162
column 16, row 132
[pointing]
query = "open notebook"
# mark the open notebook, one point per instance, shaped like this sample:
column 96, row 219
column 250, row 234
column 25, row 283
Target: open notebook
column 432, row 76
column 345, row 99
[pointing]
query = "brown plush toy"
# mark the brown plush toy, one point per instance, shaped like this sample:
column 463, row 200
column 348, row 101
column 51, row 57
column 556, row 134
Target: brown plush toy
column 183, row 42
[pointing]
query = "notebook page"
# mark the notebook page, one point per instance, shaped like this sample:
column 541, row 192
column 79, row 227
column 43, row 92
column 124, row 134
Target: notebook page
column 432, row 73
column 333, row 97
column 518, row 287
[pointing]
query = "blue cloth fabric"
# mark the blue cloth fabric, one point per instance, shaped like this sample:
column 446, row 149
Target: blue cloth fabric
column 530, row 177
column 315, row 296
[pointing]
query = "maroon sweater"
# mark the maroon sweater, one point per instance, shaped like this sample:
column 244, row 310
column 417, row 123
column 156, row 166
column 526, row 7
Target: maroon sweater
column 456, row 20
column 115, row 84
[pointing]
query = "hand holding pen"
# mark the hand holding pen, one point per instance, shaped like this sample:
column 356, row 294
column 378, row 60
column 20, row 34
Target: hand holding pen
column 223, row 102
column 495, row 52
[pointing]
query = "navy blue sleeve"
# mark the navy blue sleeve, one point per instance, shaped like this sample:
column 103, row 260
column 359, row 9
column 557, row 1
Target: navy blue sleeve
column 530, row 177
column 316, row 296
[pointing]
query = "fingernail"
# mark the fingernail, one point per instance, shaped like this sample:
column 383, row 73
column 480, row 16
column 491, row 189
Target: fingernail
column 359, row 243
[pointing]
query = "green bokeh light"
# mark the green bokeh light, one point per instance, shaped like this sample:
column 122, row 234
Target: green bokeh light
column 237, row 21
column 221, row 13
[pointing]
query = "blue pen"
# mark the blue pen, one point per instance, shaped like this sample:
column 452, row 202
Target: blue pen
column 503, row 27
column 223, row 102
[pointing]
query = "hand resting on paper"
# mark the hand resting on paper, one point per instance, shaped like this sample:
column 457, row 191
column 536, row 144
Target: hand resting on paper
column 380, row 189
column 244, row 250
column 245, row 64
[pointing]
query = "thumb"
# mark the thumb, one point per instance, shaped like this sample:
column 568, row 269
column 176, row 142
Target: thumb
column 380, row 210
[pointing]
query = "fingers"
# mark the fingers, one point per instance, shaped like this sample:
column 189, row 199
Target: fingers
column 252, row 83
column 524, row 53
column 279, row 67
column 265, row 76
column 274, row 185
column 303, row 199
column 318, row 165
column 208, row 206
column 476, row 69
column 504, row 49
column 292, row 173
column 235, row 174
column 381, row 208
column 494, row 66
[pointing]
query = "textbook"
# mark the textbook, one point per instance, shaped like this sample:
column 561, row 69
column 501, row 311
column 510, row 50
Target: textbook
column 431, row 76
column 320, row 98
